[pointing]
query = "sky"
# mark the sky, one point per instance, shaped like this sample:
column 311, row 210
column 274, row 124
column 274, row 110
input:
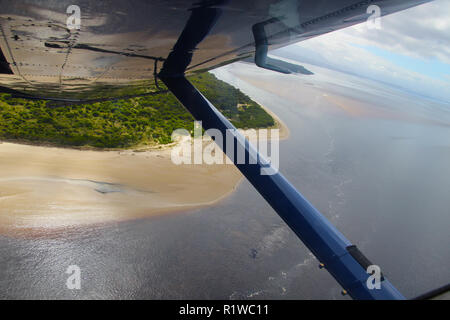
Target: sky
column 411, row 50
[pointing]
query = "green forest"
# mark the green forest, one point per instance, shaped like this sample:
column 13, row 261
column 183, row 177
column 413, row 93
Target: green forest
column 127, row 123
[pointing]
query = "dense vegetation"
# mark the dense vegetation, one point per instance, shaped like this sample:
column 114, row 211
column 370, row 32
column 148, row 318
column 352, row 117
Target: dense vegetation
column 146, row 120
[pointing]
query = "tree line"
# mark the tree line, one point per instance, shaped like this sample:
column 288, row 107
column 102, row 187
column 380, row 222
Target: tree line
column 126, row 123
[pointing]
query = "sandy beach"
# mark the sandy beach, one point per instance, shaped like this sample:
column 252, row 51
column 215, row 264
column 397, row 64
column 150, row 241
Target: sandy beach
column 52, row 188
column 47, row 188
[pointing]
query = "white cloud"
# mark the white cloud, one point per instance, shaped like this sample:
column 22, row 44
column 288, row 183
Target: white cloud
column 422, row 32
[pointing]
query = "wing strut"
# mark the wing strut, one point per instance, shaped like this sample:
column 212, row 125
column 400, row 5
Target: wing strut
column 336, row 254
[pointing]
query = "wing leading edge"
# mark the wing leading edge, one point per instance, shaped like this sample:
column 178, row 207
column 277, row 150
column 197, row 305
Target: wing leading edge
column 121, row 46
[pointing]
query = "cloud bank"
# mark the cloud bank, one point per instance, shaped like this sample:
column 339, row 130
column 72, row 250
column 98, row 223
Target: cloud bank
column 411, row 50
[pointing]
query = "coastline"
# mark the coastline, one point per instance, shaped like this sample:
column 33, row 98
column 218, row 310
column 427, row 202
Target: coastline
column 57, row 188
column 45, row 189
column 285, row 133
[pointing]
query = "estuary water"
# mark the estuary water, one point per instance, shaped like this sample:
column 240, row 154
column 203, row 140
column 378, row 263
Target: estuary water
column 375, row 160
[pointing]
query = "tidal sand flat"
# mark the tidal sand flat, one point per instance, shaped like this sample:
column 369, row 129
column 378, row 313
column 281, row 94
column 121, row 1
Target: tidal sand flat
column 51, row 188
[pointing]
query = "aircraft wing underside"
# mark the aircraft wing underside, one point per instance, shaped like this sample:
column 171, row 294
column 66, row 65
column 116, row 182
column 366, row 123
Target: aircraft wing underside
column 122, row 45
